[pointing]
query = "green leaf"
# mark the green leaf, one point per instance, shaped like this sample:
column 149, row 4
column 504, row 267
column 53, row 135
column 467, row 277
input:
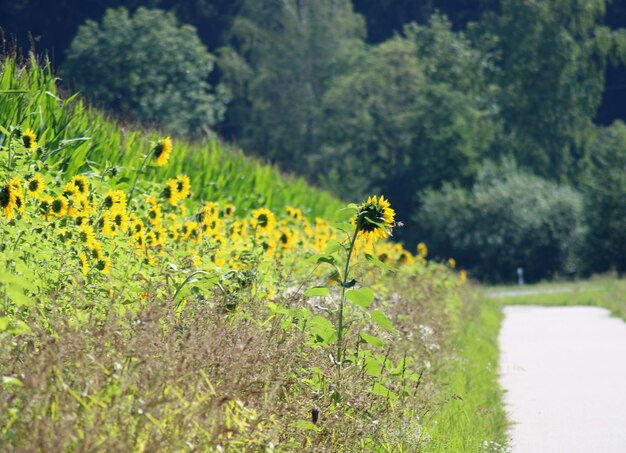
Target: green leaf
column 379, row 389
column 333, row 246
column 376, row 262
column 363, row 297
column 379, row 318
column 305, row 425
column 4, row 323
column 319, row 291
column 371, row 339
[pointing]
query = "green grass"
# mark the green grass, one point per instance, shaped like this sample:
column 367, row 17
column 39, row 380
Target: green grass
column 607, row 292
column 472, row 418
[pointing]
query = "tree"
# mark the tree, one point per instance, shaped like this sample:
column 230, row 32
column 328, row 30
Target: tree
column 605, row 201
column 282, row 57
column 408, row 114
column 508, row 219
column 148, row 66
column 553, row 56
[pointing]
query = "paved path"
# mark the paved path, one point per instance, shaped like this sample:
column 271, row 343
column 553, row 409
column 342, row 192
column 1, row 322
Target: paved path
column 564, row 374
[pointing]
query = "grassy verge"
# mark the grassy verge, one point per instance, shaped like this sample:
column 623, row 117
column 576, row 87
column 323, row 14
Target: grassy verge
column 607, row 292
column 472, row 419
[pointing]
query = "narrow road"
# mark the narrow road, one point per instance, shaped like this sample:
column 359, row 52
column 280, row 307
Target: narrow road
column 564, row 374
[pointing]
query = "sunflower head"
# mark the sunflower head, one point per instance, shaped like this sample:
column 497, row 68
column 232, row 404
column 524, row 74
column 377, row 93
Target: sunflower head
column 162, row 151
column 29, row 140
column 375, row 218
column 35, row 186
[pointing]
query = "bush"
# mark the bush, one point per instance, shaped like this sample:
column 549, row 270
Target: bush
column 509, row 219
column 147, row 66
column 605, row 202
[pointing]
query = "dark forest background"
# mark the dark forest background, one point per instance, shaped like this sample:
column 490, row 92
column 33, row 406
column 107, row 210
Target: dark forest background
column 495, row 127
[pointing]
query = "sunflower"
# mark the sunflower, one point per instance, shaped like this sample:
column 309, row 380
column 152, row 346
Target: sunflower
column 136, row 225
column 6, row 202
column 183, row 187
column 375, row 218
column 120, row 219
column 422, row 250
column 29, row 140
column 81, row 183
column 115, row 199
column 228, row 211
column 104, row 265
column 87, row 235
column 35, row 186
column 96, row 251
column 154, row 213
column 162, row 151
column 286, row 238
column 170, row 193
column 59, row 206
column 294, row 213
column 263, row 220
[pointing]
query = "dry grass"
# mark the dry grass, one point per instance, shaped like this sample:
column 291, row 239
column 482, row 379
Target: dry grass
column 155, row 381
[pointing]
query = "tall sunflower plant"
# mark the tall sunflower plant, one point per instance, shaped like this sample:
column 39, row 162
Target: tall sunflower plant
column 363, row 225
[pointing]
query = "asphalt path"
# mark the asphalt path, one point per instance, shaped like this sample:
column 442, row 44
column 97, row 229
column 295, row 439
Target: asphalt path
column 563, row 370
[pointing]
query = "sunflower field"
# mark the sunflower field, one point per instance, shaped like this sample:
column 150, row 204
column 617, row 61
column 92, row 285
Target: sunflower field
column 163, row 294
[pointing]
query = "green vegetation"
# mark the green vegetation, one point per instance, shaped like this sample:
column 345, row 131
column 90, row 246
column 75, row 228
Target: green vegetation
column 173, row 320
column 607, row 292
column 82, row 139
column 147, row 66
column 509, row 219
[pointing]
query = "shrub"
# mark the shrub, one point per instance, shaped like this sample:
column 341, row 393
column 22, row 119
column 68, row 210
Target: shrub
column 509, row 219
column 147, row 66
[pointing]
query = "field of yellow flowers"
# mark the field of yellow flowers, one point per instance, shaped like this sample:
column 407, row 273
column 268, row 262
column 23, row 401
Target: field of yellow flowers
column 151, row 301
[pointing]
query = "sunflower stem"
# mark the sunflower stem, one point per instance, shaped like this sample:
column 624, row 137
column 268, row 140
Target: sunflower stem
column 132, row 191
column 342, row 301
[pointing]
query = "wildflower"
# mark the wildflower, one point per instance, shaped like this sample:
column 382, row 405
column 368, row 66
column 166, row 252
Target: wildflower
column 162, row 151
column 263, row 220
column 35, row 186
column 29, row 140
column 422, row 250
column 375, row 218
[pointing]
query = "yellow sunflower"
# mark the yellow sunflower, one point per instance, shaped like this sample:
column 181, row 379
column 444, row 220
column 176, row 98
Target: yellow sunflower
column 263, row 220
column 183, row 187
column 104, row 265
column 162, row 151
column 170, row 193
column 35, row 186
column 228, row 211
column 29, row 140
column 81, row 183
column 59, row 206
column 375, row 218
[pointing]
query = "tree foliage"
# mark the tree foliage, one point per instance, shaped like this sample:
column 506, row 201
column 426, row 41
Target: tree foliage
column 282, row 58
column 552, row 60
column 605, row 201
column 411, row 113
column 508, row 219
column 147, row 65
